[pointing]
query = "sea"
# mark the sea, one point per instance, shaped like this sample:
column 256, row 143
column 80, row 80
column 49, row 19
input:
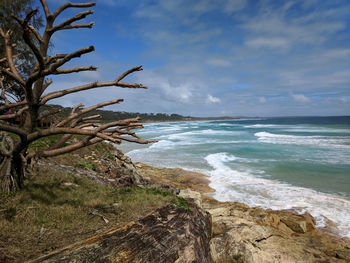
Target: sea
column 296, row 163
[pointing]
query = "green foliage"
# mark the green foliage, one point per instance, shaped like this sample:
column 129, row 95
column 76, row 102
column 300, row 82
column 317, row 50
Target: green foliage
column 45, row 142
column 86, row 165
column 109, row 156
column 132, row 194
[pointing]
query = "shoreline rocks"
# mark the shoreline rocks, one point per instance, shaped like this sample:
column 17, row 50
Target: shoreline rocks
column 211, row 231
column 251, row 234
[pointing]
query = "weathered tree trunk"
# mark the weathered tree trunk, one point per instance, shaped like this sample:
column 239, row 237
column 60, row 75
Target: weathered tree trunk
column 11, row 174
column 11, row 165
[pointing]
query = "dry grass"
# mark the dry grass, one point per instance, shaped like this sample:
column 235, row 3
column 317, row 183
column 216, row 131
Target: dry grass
column 56, row 209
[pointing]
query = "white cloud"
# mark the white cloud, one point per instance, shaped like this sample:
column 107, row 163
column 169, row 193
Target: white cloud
column 343, row 100
column 172, row 90
column 274, row 28
column 271, row 42
column 337, row 53
column 300, row 98
column 219, row 62
column 234, row 5
column 262, row 99
column 90, row 76
column 212, row 99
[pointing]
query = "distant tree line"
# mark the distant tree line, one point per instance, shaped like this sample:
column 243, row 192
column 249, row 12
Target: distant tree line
column 118, row 115
column 107, row 115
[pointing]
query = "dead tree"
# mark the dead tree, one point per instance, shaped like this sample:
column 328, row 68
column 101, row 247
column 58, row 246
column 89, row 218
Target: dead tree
column 15, row 138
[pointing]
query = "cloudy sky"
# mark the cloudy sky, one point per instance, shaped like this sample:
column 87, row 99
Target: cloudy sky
column 216, row 57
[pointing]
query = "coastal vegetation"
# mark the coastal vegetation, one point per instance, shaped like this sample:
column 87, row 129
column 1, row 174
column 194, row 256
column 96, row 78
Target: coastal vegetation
column 59, row 207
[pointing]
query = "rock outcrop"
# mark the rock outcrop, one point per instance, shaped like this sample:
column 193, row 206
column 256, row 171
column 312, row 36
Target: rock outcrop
column 120, row 170
column 254, row 235
column 210, row 232
column 168, row 235
column 249, row 234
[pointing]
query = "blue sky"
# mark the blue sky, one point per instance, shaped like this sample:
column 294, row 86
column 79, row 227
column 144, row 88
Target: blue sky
column 216, row 57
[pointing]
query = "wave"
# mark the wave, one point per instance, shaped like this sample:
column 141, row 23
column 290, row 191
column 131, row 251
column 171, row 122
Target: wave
column 318, row 130
column 264, row 126
column 246, row 187
column 177, row 142
column 316, row 141
column 198, row 135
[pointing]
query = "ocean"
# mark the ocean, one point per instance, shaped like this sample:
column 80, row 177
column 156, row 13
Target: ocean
column 299, row 163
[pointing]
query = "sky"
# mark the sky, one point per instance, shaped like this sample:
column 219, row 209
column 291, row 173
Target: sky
column 215, row 57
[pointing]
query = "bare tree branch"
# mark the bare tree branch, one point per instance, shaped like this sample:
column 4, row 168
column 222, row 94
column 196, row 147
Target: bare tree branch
column 130, row 85
column 69, row 21
column 66, row 149
column 12, row 105
column 57, row 94
column 12, row 76
column 89, row 25
column 91, row 117
column 67, row 5
column 13, row 129
column 100, row 105
column 139, row 68
column 35, row 32
column 71, row 70
column 54, row 131
column 9, row 55
column 76, row 107
column 67, row 58
column 54, row 58
column 27, row 30
column 46, row 9
column 13, row 56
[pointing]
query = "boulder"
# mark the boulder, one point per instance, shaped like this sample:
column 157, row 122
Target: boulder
column 169, row 234
column 191, row 195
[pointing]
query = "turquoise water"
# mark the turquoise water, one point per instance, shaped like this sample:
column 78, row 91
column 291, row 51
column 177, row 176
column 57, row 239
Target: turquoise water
column 280, row 163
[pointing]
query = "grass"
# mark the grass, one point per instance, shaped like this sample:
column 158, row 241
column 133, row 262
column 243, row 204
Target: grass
column 86, row 165
column 56, row 209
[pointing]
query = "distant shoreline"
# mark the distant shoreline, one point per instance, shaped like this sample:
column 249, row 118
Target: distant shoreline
column 192, row 120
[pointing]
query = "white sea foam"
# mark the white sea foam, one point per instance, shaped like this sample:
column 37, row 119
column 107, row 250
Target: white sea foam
column 163, row 144
column 197, row 137
column 206, row 132
column 264, row 126
column 317, row 130
column 316, row 141
column 245, row 187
